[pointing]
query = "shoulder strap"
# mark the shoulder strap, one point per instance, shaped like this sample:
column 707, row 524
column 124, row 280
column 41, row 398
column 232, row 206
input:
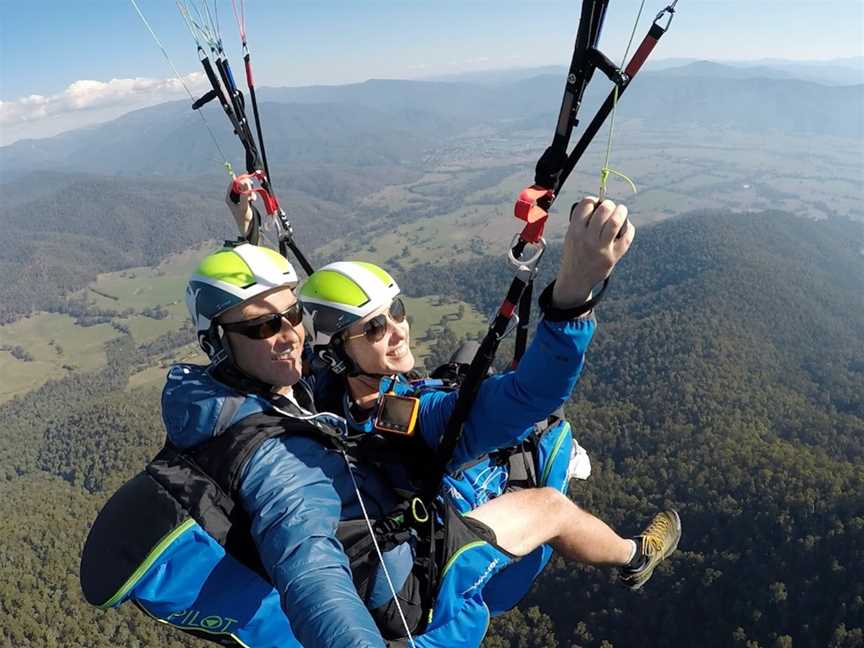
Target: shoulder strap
column 205, row 479
column 225, row 457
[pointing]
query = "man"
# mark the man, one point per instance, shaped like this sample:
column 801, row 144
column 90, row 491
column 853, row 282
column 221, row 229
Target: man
column 303, row 497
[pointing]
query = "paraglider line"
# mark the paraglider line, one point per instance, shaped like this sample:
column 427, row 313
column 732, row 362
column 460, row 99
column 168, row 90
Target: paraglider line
column 185, row 87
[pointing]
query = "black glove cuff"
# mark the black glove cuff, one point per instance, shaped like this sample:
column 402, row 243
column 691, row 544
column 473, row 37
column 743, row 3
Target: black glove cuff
column 555, row 314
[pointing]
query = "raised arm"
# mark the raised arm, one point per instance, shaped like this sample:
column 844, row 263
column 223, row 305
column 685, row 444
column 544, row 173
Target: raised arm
column 507, row 405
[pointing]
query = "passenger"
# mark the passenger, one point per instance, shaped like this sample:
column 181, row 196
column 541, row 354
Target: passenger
column 362, row 334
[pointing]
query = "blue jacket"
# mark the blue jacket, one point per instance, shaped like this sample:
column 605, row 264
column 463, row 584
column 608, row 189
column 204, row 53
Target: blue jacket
column 296, row 490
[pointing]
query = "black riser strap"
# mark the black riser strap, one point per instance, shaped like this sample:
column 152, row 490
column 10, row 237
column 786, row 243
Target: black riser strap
column 214, row 83
column 596, row 123
column 292, row 246
column 467, row 394
column 478, row 370
column 524, row 319
column 251, row 85
column 205, row 99
column 581, row 69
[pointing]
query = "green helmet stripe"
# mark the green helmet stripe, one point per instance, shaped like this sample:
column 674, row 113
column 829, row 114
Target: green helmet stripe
column 343, row 292
column 334, row 287
column 233, row 275
column 227, row 266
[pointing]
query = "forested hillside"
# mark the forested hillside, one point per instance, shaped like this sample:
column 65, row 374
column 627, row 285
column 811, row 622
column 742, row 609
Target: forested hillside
column 726, row 379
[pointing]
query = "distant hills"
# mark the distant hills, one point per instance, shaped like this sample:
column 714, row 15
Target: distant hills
column 135, row 189
column 70, row 227
column 844, row 71
column 395, row 122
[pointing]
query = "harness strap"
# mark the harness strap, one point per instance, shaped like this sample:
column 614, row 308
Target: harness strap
column 553, row 169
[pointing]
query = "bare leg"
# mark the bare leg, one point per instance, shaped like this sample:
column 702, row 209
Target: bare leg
column 525, row 519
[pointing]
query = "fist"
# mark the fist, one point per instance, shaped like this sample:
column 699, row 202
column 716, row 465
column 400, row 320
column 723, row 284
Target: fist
column 239, row 199
column 597, row 238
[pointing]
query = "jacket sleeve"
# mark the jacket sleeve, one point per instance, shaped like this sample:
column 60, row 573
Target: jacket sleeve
column 294, row 507
column 508, row 404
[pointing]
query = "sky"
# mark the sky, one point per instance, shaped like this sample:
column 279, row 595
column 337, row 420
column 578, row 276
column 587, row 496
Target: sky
column 70, row 63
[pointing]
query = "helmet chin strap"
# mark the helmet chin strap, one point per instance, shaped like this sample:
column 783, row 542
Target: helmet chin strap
column 337, row 358
column 354, row 369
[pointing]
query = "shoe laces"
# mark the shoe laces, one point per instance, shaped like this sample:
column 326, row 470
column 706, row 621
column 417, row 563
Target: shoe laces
column 652, row 538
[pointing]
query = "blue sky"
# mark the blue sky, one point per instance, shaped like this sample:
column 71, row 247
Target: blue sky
column 49, row 45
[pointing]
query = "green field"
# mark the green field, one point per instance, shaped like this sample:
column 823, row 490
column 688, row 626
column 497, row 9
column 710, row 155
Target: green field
column 57, row 346
column 429, row 316
column 155, row 376
column 675, row 171
column 145, row 287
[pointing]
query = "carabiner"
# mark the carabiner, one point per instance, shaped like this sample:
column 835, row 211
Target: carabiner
column 526, row 267
column 418, row 517
column 671, row 11
column 511, row 326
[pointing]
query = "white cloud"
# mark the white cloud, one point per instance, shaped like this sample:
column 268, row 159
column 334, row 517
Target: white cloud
column 88, row 95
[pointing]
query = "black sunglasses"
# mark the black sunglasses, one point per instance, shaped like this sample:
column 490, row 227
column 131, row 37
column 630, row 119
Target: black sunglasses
column 261, row 328
column 375, row 328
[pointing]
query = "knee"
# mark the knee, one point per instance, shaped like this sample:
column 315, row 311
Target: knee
column 552, row 499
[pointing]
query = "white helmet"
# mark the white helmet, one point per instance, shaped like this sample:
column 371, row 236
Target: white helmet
column 338, row 295
column 229, row 277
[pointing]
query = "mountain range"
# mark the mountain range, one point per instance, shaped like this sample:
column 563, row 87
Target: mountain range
column 396, row 121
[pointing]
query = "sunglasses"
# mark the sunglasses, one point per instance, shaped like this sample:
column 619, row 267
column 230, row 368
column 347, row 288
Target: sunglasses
column 375, row 328
column 261, row 328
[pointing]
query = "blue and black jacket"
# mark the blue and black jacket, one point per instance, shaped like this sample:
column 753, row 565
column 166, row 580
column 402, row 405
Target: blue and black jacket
column 542, row 459
column 290, row 506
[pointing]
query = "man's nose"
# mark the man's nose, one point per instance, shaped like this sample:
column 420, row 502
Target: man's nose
column 290, row 333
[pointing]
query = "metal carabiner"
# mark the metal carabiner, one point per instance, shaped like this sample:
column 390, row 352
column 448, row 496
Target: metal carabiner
column 671, row 11
column 512, row 323
column 526, row 268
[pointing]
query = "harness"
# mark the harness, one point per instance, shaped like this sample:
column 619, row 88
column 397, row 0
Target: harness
column 181, row 489
column 193, row 491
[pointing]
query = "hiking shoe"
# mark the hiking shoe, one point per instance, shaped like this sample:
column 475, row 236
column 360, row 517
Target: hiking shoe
column 654, row 544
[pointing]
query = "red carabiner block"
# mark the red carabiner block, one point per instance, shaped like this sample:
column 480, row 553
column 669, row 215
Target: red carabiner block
column 533, row 214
